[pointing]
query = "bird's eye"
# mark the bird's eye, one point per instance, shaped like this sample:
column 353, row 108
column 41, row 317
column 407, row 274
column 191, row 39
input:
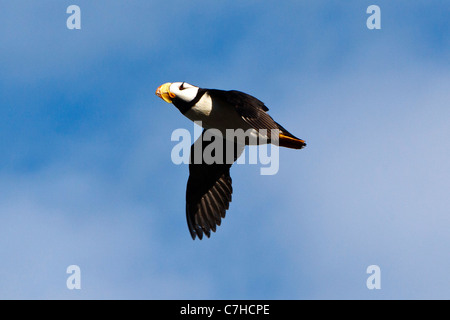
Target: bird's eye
column 182, row 86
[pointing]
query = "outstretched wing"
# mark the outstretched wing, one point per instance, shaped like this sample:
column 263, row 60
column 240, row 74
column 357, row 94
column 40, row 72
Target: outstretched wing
column 209, row 189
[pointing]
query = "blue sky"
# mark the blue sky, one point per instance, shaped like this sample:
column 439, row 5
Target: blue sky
column 86, row 176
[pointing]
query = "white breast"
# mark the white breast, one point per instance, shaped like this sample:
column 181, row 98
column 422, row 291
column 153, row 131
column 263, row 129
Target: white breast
column 201, row 110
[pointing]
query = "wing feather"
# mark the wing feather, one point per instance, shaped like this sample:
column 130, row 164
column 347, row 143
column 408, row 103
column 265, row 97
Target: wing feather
column 252, row 110
column 209, row 190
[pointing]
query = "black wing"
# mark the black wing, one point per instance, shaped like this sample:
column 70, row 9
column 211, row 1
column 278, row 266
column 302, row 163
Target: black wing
column 245, row 104
column 209, row 189
column 251, row 109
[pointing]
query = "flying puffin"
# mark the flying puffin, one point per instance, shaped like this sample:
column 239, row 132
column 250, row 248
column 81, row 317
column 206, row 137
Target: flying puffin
column 209, row 189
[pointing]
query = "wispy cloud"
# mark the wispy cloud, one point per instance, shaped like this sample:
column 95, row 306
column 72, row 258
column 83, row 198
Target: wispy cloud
column 86, row 176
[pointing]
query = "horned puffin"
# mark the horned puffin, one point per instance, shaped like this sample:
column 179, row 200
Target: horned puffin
column 209, row 189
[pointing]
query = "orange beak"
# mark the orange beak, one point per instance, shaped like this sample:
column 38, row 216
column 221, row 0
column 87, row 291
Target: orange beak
column 164, row 93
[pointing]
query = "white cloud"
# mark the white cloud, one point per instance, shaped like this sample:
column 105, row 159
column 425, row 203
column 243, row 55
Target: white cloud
column 370, row 188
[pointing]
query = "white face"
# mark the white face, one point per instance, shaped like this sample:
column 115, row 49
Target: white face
column 184, row 91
